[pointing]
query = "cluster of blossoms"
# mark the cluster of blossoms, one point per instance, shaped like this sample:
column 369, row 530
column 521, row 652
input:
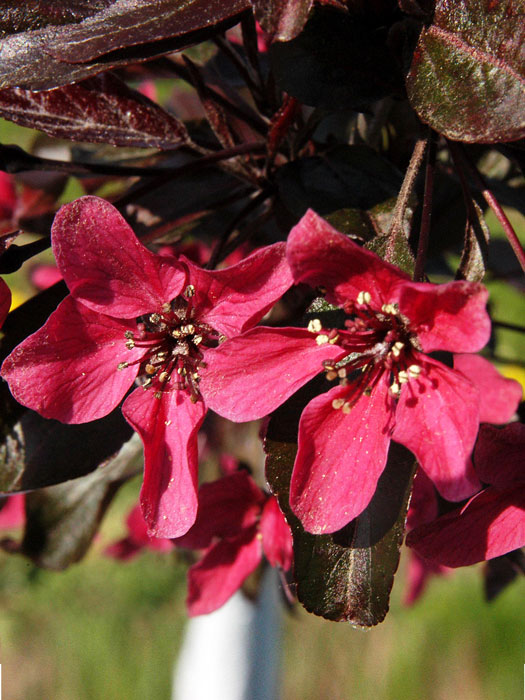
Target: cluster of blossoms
column 187, row 339
column 236, row 524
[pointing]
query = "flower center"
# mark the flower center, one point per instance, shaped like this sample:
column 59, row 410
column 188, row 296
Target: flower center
column 173, row 341
column 377, row 342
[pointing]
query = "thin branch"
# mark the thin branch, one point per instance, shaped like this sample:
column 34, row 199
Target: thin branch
column 217, row 253
column 508, row 326
column 403, row 199
column 424, row 230
column 462, row 160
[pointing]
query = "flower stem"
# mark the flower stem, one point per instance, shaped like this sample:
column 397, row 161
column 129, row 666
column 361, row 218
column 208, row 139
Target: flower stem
column 461, row 159
column 424, row 230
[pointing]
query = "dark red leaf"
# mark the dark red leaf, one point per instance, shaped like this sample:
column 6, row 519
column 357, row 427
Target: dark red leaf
column 62, row 520
column 467, row 78
column 19, row 16
column 283, row 19
column 102, row 109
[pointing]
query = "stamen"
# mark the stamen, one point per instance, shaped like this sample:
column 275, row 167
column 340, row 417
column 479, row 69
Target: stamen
column 163, row 377
column 347, row 407
column 122, row 365
column 189, row 291
column 150, row 369
column 338, row 403
column 331, row 375
column 414, row 370
column 402, row 377
column 314, row 326
column 322, row 339
column 364, row 298
column 129, row 335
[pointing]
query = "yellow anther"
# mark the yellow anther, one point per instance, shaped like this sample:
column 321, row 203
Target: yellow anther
column 130, row 344
column 402, row 377
column 154, row 318
column 341, row 372
column 128, row 334
column 346, row 408
column 163, row 377
column 338, row 403
column 322, row 339
column 333, row 340
column 395, row 388
column 364, row 298
column 122, row 365
column 314, row 326
column 166, row 308
column 331, row 375
column 414, row 370
column 197, row 340
column 189, row 291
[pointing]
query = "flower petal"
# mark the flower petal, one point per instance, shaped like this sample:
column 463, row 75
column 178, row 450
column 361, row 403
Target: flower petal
column 276, row 535
column 450, row 316
column 340, row 458
column 321, row 256
column 104, row 264
column 13, row 512
column 237, row 297
column 437, row 418
column 168, row 428
column 247, row 377
column 5, row 301
column 418, row 573
column 499, row 455
column 492, row 524
column 222, row 571
column 226, row 507
column 499, row 397
column 67, row 370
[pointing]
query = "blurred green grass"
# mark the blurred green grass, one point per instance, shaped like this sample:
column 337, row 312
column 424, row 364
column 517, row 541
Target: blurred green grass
column 105, row 630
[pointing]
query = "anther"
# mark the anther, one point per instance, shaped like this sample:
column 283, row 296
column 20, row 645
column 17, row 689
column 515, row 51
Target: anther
column 314, row 326
column 122, row 365
column 128, row 334
column 130, row 344
column 154, row 318
column 347, row 407
column 364, row 298
column 163, row 377
column 197, row 340
column 341, row 372
column 414, row 370
column 322, row 339
column 402, row 377
column 166, row 308
column 331, row 375
column 338, row 403
column 189, row 291
column 150, row 369
column 396, row 348
column 395, row 388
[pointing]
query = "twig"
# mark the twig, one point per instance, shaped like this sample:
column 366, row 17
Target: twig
column 424, row 229
column 461, row 159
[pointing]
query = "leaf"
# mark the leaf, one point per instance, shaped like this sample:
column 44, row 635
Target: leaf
column 62, row 520
column 467, row 78
column 347, row 575
column 346, row 177
column 129, row 30
column 475, row 251
column 283, row 19
column 339, row 61
column 102, row 109
column 19, row 17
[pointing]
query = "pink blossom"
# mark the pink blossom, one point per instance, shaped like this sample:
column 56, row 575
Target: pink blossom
column 137, row 539
column 492, row 523
column 236, row 524
column 134, row 317
column 12, row 513
column 388, row 386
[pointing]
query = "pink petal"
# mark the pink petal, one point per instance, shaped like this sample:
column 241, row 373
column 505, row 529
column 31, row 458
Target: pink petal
column 499, row 455
column 448, row 316
column 499, row 397
column 492, row 524
column 237, row 297
column 222, row 571
column 250, row 376
column 13, row 513
column 419, row 572
column 5, row 301
column 138, row 532
column 340, row 458
column 168, row 428
column 276, row 535
column 437, row 418
column 67, row 370
column 7, row 197
column 322, row 257
column 105, row 266
column 226, row 507
column 45, row 276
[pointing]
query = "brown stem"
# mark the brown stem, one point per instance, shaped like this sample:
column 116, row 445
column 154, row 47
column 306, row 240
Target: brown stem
column 424, row 230
column 403, row 199
column 462, row 160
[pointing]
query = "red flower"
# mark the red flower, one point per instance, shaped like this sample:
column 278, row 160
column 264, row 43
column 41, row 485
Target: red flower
column 389, row 388
column 236, row 523
column 492, row 523
column 136, row 316
column 137, row 539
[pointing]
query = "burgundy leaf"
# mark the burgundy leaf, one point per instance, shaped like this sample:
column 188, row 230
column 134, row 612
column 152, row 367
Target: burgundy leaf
column 283, row 19
column 102, row 109
column 468, row 71
column 132, row 22
column 19, row 17
column 152, row 27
